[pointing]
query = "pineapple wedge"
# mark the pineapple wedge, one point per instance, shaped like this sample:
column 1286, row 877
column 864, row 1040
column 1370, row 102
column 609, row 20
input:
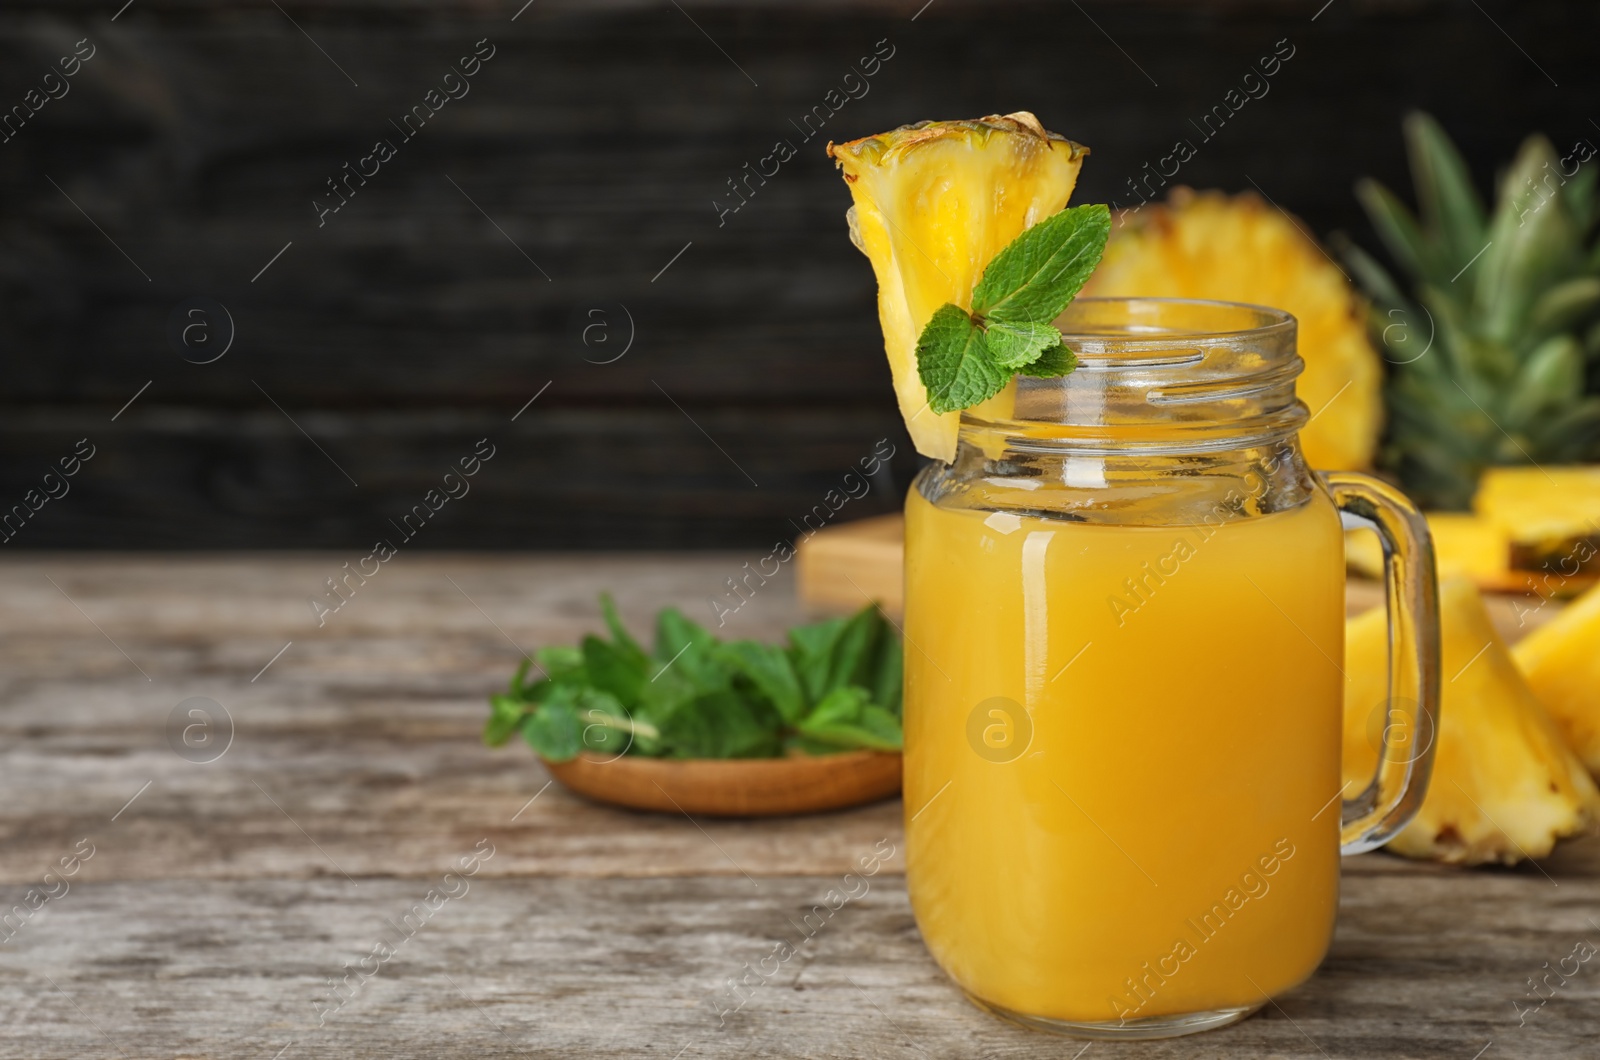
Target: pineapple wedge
column 1561, row 661
column 933, row 203
column 1550, row 515
column 1505, row 786
column 1240, row 249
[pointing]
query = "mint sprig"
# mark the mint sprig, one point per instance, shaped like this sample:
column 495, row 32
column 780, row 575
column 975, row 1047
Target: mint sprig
column 964, row 358
column 835, row 686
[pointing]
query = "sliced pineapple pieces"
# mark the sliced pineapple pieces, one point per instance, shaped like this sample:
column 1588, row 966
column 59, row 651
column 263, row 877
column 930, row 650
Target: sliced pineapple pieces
column 1550, row 515
column 1474, row 547
column 1532, row 530
column 1463, row 544
column 1561, row 661
column 1241, row 249
column 933, row 203
column 1505, row 786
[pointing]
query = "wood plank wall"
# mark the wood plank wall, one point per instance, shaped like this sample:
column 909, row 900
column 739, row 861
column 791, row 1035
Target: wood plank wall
column 587, row 154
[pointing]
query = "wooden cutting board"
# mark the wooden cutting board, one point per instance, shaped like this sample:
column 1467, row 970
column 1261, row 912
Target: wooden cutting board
column 840, row 568
column 843, row 567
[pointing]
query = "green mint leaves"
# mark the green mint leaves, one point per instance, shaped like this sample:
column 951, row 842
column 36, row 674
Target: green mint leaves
column 964, row 358
column 834, row 687
column 1037, row 275
column 955, row 361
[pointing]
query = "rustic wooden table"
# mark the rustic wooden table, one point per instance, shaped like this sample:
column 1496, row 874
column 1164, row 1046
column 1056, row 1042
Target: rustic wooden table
column 219, row 906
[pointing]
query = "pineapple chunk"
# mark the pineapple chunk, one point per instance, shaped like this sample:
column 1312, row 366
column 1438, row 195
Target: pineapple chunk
column 1240, row 249
column 1561, row 661
column 1505, row 786
column 1550, row 515
column 1462, row 544
column 933, row 203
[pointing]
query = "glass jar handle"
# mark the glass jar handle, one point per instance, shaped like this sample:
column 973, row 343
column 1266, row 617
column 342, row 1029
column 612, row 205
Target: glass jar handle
column 1411, row 591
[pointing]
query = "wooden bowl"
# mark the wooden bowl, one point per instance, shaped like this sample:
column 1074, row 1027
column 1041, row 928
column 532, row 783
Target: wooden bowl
column 738, row 787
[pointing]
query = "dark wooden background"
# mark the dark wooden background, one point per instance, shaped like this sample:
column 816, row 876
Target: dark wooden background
column 596, row 138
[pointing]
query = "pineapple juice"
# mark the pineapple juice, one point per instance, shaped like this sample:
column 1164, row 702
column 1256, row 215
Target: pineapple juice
column 1122, row 755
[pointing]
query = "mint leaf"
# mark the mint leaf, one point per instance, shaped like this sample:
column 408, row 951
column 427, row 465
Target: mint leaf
column 836, row 652
column 686, row 647
column 505, row 717
column 659, row 700
column 558, row 661
column 853, row 654
column 554, row 731
column 613, row 669
column 769, row 670
column 607, row 726
column 619, row 632
column 878, row 730
column 1018, row 344
column 835, row 685
column 806, row 745
column 1057, row 360
column 575, row 719
column 888, row 674
column 1035, row 277
column 519, row 678
column 811, row 650
column 848, row 719
column 722, row 725
column 955, row 363
column 842, row 705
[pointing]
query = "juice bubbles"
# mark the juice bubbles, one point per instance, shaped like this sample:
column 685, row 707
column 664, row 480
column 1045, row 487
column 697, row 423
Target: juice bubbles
column 1122, row 756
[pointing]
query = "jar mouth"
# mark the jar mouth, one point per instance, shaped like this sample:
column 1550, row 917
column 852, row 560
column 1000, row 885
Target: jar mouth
column 1108, row 327
column 1163, row 375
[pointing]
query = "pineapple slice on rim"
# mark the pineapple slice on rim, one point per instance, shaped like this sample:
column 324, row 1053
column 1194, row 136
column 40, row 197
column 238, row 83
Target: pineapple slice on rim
column 933, row 203
column 1505, row 785
column 1240, row 249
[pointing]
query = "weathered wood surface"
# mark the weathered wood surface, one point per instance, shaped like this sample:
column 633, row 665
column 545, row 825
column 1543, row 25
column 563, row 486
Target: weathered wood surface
column 209, row 919
column 1422, row 967
column 365, row 731
column 597, row 139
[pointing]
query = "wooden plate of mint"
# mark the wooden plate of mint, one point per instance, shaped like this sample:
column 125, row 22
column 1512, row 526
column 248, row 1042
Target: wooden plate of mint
column 720, row 728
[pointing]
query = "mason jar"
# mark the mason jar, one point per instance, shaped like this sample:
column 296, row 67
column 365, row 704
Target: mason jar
column 1124, row 627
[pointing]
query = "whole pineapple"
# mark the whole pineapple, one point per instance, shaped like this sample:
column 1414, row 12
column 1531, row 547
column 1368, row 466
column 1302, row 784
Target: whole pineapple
column 1239, row 248
column 1494, row 361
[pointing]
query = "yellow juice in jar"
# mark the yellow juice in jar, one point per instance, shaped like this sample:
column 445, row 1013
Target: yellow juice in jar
column 1165, row 839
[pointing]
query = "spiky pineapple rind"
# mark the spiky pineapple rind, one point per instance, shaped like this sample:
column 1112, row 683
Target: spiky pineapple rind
column 881, row 147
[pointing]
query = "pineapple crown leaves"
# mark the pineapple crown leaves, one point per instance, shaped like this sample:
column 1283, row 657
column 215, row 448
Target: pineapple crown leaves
column 1446, row 199
column 1509, row 370
column 1522, row 272
column 964, row 358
